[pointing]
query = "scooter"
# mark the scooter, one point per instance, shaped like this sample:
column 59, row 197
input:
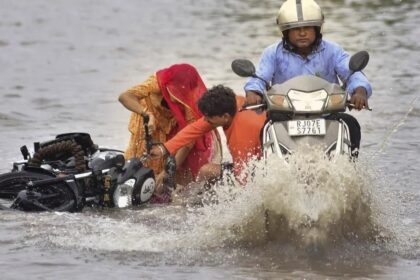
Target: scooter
column 305, row 111
column 71, row 172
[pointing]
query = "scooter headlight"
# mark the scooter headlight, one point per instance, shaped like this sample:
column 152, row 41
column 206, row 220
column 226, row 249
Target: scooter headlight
column 280, row 101
column 336, row 102
column 123, row 194
column 308, row 101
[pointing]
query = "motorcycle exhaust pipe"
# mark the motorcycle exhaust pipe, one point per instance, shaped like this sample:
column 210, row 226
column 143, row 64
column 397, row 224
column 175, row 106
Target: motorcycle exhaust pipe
column 32, row 184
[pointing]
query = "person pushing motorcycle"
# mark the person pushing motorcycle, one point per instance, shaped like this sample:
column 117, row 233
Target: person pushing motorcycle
column 221, row 108
column 303, row 51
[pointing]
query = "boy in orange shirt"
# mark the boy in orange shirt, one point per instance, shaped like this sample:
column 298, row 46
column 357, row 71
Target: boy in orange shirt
column 221, row 107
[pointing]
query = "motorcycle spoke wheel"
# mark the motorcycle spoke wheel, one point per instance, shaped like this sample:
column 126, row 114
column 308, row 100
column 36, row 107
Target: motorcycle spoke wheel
column 56, row 197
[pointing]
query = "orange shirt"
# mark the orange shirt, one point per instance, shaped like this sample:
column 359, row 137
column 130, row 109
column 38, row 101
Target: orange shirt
column 242, row 136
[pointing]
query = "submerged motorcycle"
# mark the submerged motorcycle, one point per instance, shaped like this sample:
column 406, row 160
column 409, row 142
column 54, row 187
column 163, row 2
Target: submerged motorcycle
column 71, row 172
column 299, row 112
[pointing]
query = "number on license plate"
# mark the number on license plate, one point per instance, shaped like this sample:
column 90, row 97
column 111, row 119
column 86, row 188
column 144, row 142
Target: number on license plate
column 306, row 127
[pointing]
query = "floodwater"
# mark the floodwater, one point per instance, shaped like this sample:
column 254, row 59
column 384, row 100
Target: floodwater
column 64, row 64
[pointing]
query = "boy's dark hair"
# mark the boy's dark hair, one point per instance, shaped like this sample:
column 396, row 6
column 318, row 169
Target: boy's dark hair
column 217, row 101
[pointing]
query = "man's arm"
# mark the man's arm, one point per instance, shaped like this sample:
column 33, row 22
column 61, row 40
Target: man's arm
column 357, row 85
column 353, row 81
column 180, row 157
column 255, row 87
column 187, row 135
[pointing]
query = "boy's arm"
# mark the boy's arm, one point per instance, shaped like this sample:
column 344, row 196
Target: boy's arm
column 187, row 135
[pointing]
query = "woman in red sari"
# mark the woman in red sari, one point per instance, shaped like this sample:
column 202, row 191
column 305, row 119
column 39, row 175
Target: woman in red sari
column 169, row 97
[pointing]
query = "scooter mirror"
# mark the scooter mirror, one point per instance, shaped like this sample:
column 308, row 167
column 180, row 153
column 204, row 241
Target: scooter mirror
column 243, row 68
column 358, row 61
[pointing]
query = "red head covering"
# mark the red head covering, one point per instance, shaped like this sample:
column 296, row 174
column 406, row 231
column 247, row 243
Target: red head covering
column 181, row 82
column 181, row 87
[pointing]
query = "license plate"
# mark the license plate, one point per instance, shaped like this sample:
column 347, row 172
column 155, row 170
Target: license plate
column 306, row 127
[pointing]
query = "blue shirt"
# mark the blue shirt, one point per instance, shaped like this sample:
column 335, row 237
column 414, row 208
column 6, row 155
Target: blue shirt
column 329, row 62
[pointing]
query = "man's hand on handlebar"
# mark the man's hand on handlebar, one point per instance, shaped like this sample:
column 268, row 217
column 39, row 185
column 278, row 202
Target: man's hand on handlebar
column 359, row 99
column 253, row 98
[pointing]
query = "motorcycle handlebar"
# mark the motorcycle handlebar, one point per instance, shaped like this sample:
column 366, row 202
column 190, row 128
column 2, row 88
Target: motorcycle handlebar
column 147, row 135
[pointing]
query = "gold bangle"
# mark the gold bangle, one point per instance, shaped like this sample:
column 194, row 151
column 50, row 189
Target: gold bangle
column 162, row 150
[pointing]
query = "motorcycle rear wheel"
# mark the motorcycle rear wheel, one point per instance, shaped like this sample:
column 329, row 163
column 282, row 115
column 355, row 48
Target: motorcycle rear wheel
column 58, row 196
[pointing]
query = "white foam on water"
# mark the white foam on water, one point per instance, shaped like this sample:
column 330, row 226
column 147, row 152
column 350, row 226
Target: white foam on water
column 310, row 200
column 316, row 201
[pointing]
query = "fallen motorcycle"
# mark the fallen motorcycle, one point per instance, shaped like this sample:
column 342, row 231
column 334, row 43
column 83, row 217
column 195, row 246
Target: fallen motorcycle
column 71, row 172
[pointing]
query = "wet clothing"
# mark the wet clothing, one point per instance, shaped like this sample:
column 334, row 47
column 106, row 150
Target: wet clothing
column 242, row 135
column 328, row 61
column 150, row 98
column 170, row 96
column 181, row 87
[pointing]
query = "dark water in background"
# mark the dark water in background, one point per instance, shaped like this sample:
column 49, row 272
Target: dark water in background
column 63, row 65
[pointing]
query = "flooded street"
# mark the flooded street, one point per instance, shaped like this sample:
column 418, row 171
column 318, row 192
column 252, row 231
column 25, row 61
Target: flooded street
column 64, row 64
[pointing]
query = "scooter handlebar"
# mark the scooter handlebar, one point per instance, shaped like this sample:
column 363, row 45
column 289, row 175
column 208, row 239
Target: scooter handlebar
column 252, row 107
column 351, row 105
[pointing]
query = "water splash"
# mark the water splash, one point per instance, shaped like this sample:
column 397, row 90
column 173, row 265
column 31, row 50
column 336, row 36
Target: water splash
column 310, row 201
column 394, row 129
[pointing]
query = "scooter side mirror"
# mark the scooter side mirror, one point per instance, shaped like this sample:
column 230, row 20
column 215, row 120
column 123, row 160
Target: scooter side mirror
column 358, row 61
column 243, row 68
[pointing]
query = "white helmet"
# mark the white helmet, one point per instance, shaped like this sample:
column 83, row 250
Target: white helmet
column 299, row 13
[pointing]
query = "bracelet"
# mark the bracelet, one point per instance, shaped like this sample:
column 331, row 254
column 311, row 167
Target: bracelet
column 162, row 150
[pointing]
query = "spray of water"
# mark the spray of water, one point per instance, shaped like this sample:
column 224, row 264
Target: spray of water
column 308, row 201
column 315, row 201
column 394, row 129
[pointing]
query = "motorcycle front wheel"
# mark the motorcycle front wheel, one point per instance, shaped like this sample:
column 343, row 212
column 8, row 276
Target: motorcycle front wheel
column 53, row 197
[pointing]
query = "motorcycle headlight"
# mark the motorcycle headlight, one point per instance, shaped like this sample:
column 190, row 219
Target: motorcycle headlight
column 123, row 194
column 308, row 101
